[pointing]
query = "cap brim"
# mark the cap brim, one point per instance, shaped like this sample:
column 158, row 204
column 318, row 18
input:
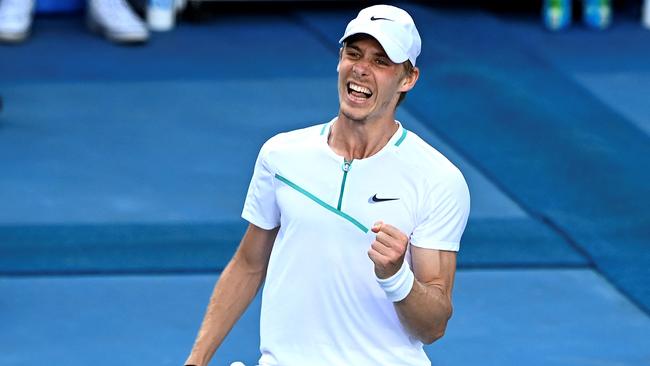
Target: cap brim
column 392, row 48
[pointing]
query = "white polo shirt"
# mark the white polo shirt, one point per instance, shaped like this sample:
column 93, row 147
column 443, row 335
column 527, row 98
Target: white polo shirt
column 321, row 304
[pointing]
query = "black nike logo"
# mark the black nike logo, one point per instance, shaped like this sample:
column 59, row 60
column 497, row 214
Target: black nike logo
column 376, row 199
column 373, row 18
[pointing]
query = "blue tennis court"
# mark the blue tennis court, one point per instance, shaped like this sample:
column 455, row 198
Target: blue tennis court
column 124, row 171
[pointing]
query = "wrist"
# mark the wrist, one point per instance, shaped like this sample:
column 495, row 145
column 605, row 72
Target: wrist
column 399, row 285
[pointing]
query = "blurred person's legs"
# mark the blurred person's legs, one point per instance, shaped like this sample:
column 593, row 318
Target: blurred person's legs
column 115, row 20
column 596, row 14
column 15, row 19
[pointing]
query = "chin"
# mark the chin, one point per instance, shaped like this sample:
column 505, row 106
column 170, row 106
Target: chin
column 354, row 112
column 355, row 116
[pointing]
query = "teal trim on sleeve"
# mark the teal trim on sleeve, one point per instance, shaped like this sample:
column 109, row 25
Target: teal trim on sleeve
column 323, row 204
column 401, row 139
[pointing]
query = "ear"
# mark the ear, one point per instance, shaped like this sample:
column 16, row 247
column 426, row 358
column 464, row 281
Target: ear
column 408, row 82
column 340, row 56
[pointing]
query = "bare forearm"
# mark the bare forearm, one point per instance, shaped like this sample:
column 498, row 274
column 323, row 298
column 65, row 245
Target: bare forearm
column 425, row 312
column 233, row 293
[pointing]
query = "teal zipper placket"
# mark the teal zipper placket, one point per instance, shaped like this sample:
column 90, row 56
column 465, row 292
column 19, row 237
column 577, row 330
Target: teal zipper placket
column 346, row 166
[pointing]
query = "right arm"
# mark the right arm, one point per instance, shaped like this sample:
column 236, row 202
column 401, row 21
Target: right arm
column 236, row 288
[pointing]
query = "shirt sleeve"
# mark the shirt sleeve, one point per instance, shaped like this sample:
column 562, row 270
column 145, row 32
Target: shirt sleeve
column 444, row 215
column 261, row 208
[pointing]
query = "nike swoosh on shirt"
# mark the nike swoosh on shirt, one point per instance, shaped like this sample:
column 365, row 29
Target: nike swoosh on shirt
column 373, row 19
column 377, row 199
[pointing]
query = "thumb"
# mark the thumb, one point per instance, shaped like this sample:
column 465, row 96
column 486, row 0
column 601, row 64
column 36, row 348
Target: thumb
column 376, row 226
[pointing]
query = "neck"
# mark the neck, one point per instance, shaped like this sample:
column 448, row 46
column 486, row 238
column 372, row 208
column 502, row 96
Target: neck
column 359, row 140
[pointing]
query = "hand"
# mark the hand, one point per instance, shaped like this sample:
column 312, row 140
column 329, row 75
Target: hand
column 388, row 250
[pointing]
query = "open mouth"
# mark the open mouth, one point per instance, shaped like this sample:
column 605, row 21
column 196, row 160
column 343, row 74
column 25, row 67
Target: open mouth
column 358, row 91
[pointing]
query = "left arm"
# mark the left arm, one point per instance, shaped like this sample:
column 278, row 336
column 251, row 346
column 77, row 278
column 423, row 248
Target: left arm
column 427, row 308
column 424, row 312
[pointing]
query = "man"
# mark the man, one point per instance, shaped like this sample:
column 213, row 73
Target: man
column 354, row 224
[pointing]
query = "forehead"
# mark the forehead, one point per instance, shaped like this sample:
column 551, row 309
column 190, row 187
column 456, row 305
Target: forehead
column 364, row 42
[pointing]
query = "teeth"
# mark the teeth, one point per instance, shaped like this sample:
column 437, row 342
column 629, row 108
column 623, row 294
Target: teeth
column 360, row 89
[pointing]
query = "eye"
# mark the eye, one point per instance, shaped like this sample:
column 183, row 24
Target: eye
column 353, row 54
column 382, row 61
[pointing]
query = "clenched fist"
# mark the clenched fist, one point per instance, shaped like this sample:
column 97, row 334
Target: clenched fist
column 387, row 250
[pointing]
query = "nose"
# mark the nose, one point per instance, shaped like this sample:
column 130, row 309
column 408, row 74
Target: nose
column 360, row 68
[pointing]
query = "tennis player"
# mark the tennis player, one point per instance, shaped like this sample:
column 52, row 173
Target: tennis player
column 354, row 223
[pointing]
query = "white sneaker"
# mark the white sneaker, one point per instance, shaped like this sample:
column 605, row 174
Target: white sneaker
column 115, row 20
column 15, row 19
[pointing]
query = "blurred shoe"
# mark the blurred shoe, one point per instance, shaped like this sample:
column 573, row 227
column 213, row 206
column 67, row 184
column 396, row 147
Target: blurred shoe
column 115, row 20
column 15, row 19
column 597, row 14
column 556, row 14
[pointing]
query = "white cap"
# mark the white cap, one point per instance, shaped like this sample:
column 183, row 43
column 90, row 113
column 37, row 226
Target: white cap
column 392, row 27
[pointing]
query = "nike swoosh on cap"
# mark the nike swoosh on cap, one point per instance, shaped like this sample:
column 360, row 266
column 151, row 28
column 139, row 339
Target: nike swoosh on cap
column 373, row 18
column 377, row 199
